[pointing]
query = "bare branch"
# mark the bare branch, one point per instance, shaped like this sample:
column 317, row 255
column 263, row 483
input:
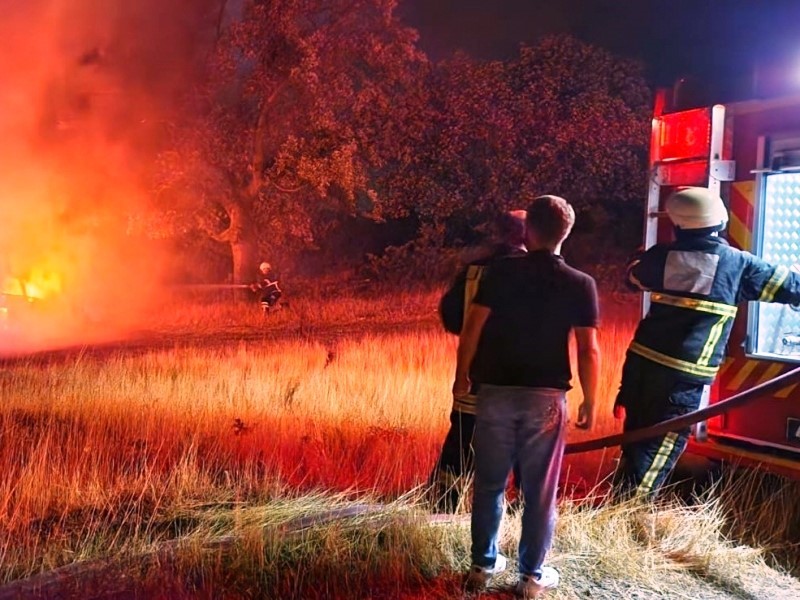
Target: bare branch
column 223, row 237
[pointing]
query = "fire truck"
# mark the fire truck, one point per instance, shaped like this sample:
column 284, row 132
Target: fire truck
column 748, row 152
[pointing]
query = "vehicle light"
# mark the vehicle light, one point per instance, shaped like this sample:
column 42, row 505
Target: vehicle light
column 682, row 135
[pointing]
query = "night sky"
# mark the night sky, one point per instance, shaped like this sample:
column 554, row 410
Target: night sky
column 719, row 41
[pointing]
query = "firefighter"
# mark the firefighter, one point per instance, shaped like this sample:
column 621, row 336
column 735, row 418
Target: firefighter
column 267, row 284
column 696, row 283
column 455, row 464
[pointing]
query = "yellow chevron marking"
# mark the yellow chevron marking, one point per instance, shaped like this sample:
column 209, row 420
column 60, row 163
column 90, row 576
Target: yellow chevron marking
column 741, row 207
column 739, row 233
column 786, row 392
column 745, row 190
column 771, row 372
column 736, row 382
column 726, row 364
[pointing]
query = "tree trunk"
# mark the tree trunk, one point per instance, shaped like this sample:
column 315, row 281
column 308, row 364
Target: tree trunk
column 245, row 261
column 242, row 239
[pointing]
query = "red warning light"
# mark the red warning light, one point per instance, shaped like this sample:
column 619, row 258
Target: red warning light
column 682, row 136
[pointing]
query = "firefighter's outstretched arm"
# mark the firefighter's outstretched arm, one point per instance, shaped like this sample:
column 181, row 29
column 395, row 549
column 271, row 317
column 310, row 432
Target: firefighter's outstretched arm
column 467, row 346
column 588, row 373
column 767, row 283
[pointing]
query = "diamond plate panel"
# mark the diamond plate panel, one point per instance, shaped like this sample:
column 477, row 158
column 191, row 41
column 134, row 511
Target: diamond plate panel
column 778, row 331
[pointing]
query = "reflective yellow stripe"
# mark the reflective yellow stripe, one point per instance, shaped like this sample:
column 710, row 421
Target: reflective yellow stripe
column 725, row 311
column 715, row 308
column 711, row 342
column 774, row 284
column 660, row 459
column 474, row 274
column 672, row 363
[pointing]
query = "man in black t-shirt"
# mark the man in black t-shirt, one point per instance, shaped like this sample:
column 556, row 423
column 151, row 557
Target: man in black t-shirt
column 523, row 315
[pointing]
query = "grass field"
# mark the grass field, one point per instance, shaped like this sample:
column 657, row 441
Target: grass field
column 214, row 431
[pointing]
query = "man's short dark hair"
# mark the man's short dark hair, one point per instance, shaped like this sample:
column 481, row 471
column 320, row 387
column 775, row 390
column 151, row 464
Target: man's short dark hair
column 551, row 218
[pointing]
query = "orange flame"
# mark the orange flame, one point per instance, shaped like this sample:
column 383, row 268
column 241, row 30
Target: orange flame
column 80, row 94
column 42, row 284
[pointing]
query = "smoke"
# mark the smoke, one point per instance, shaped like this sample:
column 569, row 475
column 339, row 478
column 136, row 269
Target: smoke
column 87, row 89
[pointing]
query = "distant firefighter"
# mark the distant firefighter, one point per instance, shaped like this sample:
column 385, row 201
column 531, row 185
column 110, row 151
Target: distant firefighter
column 267, row 284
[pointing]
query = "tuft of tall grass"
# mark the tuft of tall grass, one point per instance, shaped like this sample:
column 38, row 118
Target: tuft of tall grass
column 762, row 510
column 96, row 449
column 659, row 550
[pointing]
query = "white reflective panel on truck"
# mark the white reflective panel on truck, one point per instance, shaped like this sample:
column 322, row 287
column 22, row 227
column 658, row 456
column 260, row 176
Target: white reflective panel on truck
column 777, row 326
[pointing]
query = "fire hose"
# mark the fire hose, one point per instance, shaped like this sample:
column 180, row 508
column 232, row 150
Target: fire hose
column 213, row 286
column 768, row 387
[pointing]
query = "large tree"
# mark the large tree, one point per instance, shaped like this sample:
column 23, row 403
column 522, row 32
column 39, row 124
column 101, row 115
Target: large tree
column 563, row 118
column 305, row 104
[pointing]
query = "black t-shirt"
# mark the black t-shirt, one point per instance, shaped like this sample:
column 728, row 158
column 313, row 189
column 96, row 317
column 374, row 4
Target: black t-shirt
column 535, row 302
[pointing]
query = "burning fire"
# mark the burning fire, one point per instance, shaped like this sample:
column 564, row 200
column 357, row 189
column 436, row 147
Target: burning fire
column 40, row 284
column 81, row 84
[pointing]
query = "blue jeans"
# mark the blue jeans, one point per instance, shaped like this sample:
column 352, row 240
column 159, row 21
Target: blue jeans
column 524, row 425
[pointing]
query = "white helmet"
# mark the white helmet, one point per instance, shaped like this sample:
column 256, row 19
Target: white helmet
column 696, row 208
column 264, row 266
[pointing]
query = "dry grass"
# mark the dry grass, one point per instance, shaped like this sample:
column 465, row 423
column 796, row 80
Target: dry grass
column 117, row 453
column 317, row 310
column 659, row 551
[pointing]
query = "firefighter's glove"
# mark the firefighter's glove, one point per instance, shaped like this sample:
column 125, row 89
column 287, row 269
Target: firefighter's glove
column 585, row 416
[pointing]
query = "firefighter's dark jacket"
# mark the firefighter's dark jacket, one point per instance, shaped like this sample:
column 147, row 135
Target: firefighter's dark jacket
column 453, row 305
column 697, row 282
column 456, row 300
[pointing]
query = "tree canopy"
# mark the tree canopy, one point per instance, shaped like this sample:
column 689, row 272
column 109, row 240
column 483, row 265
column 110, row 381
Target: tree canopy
column 563, row 118
column 317, row 109
column 305, row 103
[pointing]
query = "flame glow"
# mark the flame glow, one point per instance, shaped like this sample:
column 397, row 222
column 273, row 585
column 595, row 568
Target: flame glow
column 80, row 100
